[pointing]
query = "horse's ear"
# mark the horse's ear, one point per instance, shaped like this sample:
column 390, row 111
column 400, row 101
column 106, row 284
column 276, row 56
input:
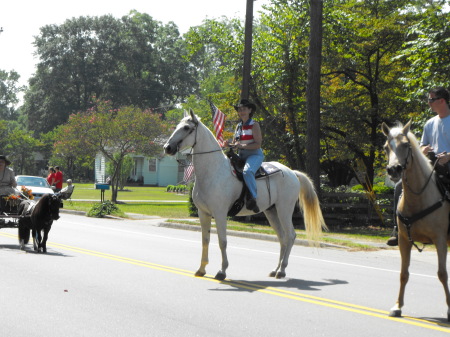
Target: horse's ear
column 385, row 129
column 193, row 116
column 407, row 127
column 185, row 113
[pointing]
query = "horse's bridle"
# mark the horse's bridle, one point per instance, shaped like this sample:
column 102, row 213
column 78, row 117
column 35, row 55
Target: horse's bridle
column 195, row 141
column 405, row 179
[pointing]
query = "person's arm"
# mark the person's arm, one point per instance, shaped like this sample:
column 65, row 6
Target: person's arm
column 257, row 139
column 13, row 180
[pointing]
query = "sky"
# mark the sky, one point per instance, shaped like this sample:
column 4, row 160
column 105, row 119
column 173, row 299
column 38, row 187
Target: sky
column 21, row 20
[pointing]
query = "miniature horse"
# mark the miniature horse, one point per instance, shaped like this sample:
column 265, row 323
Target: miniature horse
column 422, row 211
column 39, row 218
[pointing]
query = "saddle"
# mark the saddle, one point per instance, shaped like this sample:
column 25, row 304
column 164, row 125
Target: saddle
column 238, row 164
column 442, row 174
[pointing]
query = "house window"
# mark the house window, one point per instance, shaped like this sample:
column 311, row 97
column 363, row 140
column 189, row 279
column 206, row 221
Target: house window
column 152, row 165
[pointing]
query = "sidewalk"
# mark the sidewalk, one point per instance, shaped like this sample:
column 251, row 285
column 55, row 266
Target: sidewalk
column 258, row 236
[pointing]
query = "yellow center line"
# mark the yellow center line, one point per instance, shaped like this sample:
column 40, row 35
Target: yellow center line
column 260, row 288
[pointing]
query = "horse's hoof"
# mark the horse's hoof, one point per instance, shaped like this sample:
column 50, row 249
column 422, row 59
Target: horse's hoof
column 199, row 273
column 395, row 313
column 280, row 274
column 273, row 273
column 220, row 276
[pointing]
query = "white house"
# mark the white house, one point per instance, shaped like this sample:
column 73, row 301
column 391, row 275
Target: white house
column 155, row 171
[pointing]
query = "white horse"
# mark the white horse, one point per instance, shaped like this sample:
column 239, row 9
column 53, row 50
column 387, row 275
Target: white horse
column 216, row 189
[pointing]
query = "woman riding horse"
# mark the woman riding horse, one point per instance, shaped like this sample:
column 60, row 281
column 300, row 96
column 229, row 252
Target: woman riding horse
column 248, row 139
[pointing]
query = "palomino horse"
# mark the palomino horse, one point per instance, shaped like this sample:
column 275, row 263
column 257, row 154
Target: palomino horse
column 422, row 212
column 216, row 189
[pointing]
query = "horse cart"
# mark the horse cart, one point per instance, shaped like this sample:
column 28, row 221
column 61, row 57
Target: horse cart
column 19, row 211
column 11, row 217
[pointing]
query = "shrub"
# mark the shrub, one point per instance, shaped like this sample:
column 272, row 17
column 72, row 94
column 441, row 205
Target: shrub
column 378, row 189
column 181, row 188
column 99, row 210
column 192, row 209
column 169, row 188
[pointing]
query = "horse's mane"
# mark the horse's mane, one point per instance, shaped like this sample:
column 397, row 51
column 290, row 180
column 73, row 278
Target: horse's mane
column 207, row 130
column 421, row 160
column 42, row 205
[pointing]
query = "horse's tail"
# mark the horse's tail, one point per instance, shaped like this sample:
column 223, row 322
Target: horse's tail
column 310, row 206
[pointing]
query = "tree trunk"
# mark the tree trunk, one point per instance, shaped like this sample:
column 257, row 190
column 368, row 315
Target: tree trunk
column 313, row 93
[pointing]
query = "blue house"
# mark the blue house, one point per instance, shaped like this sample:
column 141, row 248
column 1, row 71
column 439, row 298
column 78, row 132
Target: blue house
column 154, row 171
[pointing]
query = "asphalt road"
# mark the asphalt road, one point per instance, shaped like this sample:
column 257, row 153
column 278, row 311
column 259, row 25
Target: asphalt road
column 105, row 277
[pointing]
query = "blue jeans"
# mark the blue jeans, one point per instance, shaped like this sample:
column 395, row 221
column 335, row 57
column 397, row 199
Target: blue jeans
column 253, row 160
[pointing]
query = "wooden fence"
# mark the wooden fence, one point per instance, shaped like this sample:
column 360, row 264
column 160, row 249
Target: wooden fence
column 348, row 209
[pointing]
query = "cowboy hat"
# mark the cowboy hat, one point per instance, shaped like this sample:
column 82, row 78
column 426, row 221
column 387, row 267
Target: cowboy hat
column 247, row 103
column 6, row 160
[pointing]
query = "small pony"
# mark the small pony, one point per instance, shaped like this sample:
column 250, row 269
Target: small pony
column 38, row 217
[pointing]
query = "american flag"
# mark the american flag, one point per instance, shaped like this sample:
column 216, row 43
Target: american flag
column 218, row 121
column 188, row 173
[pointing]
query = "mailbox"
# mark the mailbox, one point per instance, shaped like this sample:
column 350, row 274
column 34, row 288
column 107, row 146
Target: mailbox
column 101, row 186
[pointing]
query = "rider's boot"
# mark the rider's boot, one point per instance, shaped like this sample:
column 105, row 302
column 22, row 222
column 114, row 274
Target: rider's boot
column 393, row 240
column 251, row 205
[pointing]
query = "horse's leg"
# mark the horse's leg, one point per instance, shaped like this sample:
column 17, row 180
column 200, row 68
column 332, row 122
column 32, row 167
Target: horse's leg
column 39, row 240
column 35, row 242
column 221, row 226
column 405, row 252
column 44, row 239
column 205, row 222
column 272, row 217
column 286, row 235
column 21, row 239
column 441, row 247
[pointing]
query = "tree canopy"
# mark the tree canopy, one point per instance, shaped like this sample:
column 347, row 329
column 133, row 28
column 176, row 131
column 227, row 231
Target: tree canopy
column 134, row 60
column 114, row 132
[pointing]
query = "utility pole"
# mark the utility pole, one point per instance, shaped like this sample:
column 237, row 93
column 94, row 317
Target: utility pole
column 313, row 93
column 247, row 50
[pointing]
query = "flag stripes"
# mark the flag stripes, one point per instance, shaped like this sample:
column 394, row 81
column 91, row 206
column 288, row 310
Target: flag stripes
column 218, row 121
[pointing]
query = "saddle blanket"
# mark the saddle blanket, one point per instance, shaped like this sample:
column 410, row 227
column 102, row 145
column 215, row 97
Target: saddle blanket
column 265, row 170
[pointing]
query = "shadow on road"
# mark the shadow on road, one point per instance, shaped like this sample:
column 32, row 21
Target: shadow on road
column 297, row 284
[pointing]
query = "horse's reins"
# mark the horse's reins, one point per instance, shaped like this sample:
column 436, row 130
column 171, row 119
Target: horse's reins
column 408, row 221
column 195, row 142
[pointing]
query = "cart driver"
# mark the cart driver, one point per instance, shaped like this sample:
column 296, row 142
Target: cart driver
column 8, row 181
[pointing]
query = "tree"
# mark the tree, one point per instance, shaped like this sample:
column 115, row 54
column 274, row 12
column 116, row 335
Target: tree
column 21, row 146
column 125, row 169
column 115, row 132
column 427, row 50
column 130, row 61
column 9, row 90
column 363, row 84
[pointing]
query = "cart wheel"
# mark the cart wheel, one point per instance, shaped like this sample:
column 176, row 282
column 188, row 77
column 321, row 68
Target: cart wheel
column 24, row 234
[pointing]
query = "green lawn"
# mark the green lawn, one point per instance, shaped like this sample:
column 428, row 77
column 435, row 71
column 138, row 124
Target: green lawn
column 142, row 200
column 154, row 201
column 88, row 191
